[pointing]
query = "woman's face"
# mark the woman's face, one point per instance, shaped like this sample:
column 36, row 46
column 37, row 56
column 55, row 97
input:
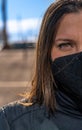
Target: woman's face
column 68, row 39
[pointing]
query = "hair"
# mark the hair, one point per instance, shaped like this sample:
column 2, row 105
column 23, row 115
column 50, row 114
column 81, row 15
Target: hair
column 43, row 84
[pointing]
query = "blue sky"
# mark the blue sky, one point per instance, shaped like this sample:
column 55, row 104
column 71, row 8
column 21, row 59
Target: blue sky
column 24, row 17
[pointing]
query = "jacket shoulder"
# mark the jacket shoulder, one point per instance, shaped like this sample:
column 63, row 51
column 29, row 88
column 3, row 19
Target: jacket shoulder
column 16, row 110
column 17, row 116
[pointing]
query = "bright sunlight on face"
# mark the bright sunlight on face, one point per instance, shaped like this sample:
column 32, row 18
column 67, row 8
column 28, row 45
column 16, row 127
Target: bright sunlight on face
column 68, row 39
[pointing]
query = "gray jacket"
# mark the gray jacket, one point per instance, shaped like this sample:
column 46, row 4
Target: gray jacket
column 16, row 116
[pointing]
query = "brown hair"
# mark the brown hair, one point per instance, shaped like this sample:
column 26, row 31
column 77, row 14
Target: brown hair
column 43, row 91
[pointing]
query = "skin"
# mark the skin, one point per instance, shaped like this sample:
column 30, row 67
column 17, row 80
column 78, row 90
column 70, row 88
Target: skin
column 68, row 38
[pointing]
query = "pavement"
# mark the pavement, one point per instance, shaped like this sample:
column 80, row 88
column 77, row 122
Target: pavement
column 16, row 71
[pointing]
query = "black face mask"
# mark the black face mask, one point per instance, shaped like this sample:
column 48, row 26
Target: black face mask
column 67, row 72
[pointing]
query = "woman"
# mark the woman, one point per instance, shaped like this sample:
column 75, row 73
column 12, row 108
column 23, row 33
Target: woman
column 55, row 101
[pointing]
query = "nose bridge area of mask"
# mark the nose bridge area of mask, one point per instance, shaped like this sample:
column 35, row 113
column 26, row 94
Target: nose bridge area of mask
column 80, row 60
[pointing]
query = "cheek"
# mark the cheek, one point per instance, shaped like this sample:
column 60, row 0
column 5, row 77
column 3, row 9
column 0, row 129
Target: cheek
column 55, row 53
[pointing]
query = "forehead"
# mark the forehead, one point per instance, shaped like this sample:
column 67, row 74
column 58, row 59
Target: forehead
column 70, row 24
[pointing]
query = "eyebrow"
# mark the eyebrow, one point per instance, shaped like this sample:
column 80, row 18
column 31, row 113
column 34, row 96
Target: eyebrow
column 63, row 39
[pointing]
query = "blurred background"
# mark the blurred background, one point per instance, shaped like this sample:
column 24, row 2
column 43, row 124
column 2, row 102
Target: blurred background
column 19, row 27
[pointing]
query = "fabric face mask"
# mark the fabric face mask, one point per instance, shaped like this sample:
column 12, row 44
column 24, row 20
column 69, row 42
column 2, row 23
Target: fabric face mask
column 67, row 72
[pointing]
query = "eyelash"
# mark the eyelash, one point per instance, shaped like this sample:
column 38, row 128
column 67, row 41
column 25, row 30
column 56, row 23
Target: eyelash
column 65, row 45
